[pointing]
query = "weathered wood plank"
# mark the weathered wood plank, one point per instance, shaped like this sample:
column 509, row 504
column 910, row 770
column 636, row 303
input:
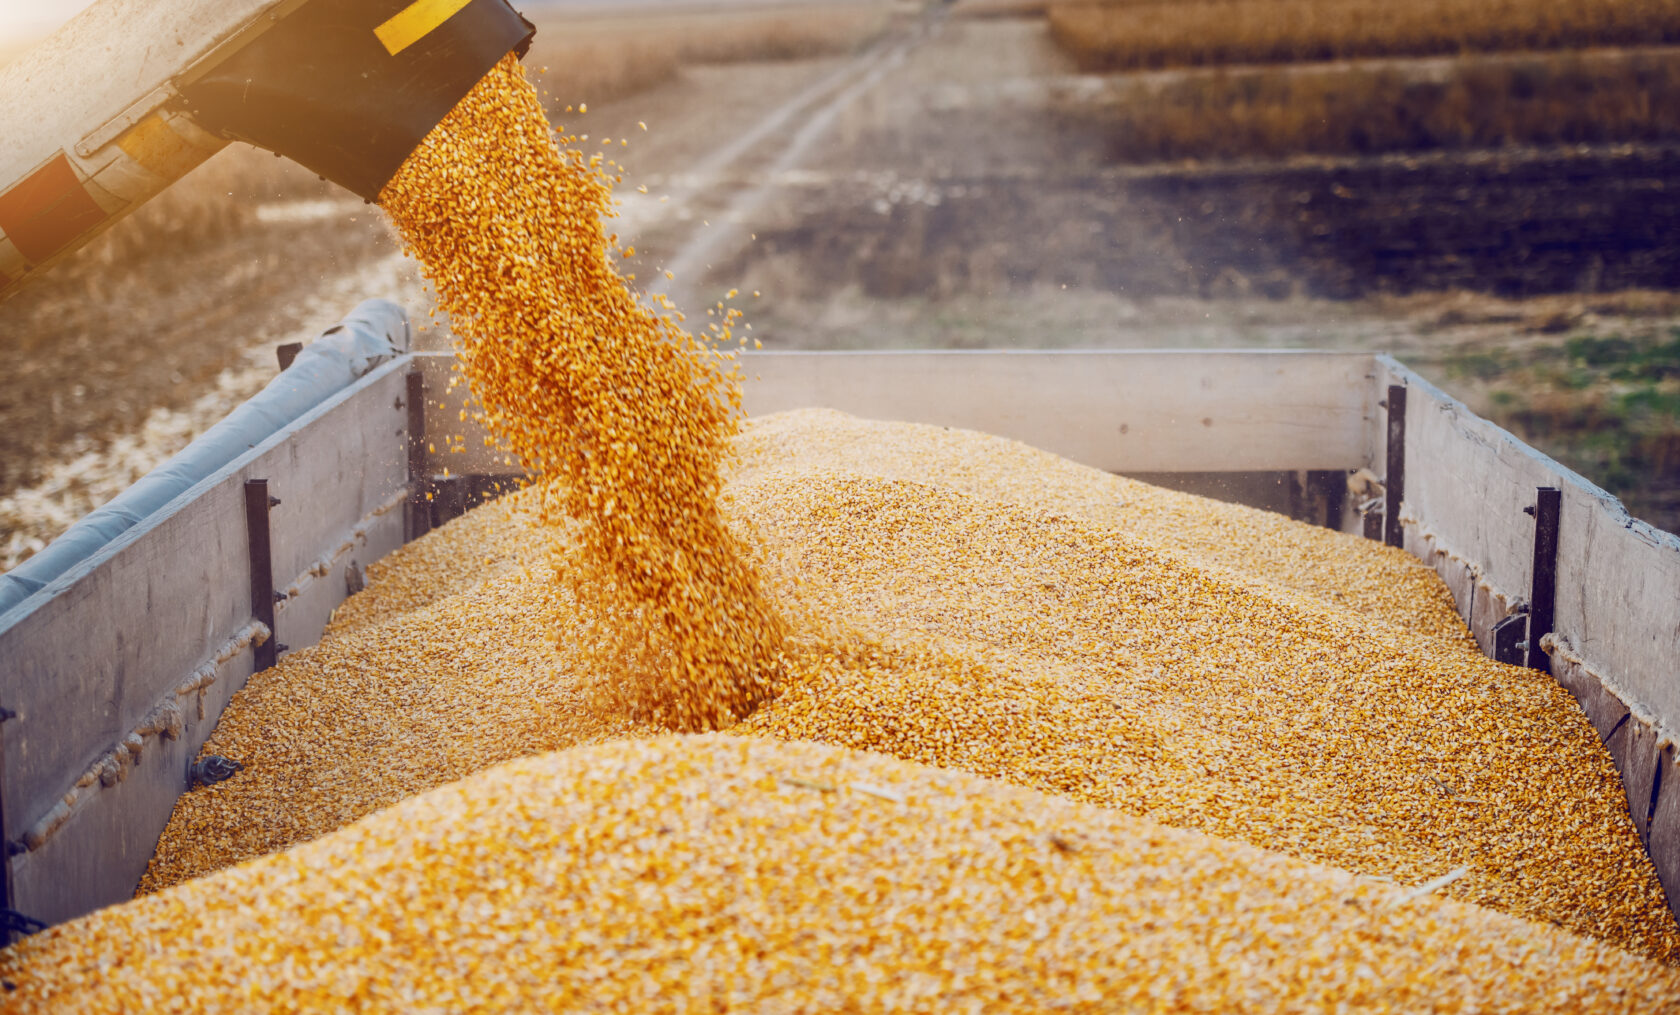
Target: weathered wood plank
column 1124, row 411
column 106, row 641
column 1663, row 836
column 92, row 861
column 1618, row 599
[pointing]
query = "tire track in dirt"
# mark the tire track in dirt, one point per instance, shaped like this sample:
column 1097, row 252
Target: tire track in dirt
column 738, row 195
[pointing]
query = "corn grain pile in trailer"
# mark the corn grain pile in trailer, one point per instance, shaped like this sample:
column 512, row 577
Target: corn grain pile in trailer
column 720, row 873
column 1002, row 731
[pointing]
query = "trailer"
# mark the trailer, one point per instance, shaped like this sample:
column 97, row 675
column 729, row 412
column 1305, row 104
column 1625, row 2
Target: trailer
column 113, row 673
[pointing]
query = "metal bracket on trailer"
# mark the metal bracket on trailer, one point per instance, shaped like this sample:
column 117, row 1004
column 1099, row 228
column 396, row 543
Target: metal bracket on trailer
column 1516, row 639
column 257, row 505
column 419, row 519
column 1510, row 638
column 1394, row 482
column 1542, row 597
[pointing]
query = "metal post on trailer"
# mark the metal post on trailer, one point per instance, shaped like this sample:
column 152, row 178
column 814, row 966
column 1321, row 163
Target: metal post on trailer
column 1542, row 599
column 419, row 521
column 1394, row 483
column 6, row 932
column 257, row 505
column 12, row 922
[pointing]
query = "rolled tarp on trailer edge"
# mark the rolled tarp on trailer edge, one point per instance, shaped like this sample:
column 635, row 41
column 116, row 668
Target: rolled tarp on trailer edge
column 373, row 333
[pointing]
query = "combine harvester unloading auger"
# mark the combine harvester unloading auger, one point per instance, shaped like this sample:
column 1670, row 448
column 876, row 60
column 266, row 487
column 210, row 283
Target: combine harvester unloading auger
column 130, row 96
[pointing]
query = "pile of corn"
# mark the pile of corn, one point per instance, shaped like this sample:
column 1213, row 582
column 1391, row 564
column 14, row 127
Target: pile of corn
column 1049, row 665
column 716, row 873
column 620, row 407
column 966, row 625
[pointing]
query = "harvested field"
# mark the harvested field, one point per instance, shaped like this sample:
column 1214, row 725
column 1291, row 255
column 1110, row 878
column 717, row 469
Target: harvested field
column 1122, row 35
column 1028, row 620
column 1474, row 103
column 1604, row 399
column 154, row 309
column 728, row 874
column 1514, row 224
column 999, row 8
column 594, row 59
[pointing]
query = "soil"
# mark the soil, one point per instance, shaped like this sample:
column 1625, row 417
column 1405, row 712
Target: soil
column 1513, row 225
column 953, row 185
column 1510, row 223
column 94, row 348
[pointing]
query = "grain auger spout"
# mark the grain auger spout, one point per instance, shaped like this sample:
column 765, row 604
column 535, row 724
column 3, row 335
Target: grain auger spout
column 132, row 94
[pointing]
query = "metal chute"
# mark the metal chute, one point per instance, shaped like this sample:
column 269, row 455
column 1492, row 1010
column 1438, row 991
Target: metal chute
column 132, row 94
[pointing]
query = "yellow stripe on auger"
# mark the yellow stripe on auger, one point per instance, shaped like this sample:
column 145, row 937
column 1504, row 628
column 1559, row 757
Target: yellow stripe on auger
column 415, row 22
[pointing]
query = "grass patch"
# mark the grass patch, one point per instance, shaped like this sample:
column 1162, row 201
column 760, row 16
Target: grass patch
column 1608, row 406
column 1144, row 34
column 1479, row 103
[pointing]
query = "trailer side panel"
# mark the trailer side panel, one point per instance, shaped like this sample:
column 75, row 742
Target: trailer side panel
column 119, row 670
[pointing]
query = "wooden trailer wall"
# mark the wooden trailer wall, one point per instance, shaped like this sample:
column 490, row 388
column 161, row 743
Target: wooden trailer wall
column 119, row 671
column 1471, row 508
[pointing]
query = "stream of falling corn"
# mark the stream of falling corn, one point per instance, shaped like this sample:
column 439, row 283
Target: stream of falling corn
column 620, row 410
column 1026, row 735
